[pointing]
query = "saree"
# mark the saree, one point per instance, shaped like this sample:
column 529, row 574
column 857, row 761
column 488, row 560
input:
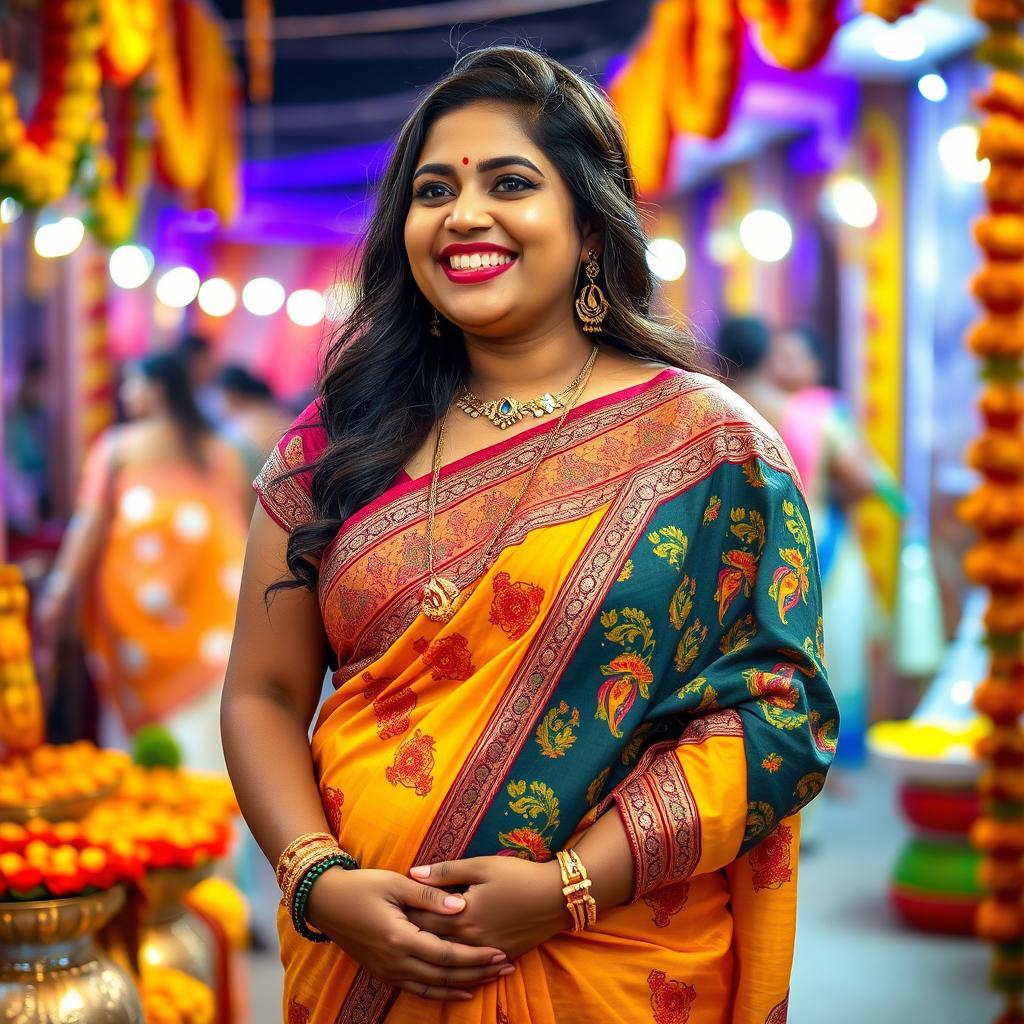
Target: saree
column 647, row 643
column 161, row 603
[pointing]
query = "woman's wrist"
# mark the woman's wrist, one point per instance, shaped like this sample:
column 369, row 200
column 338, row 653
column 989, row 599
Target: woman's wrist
column 326, row 896
column 559, row 918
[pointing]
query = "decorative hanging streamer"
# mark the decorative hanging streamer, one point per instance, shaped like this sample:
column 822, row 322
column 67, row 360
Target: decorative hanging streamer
column 703, row 75
column 683, row 76
column 891, row 10
column 996, row 508
column 37, row 157
column 195, row 107
column 882, row 358
column 129, row 33
column 259, row 49
column 796, row 33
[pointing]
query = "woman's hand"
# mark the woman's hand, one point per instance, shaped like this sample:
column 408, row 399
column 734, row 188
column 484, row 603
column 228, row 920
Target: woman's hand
column 362, row 911
column 511, row 904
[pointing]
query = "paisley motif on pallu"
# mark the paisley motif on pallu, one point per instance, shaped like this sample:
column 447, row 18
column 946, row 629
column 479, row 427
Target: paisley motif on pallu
column 664, row 496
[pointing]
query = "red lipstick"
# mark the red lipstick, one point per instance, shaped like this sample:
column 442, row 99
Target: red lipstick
column 473, row 275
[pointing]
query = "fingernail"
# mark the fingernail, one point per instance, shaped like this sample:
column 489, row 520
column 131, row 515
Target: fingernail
column 454, row 902
column 464, row 995
column 508, row 969
column 422, row 871
column 497, row 958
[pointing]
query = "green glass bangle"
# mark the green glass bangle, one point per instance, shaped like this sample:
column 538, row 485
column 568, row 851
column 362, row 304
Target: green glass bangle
column 305, row 887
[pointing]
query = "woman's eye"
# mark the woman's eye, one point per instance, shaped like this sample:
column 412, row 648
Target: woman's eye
column 434, row 190
column 513, row 183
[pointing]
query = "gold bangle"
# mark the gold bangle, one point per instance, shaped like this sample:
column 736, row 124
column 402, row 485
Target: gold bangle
column 300, row 865
column 576, row 885
column 295, row 849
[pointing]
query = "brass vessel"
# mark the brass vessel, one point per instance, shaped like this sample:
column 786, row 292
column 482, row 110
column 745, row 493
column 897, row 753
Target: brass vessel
column 51, row 971
column 172, row 936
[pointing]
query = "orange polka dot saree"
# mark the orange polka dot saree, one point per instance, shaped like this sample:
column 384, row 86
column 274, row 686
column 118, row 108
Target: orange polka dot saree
column 648, row 643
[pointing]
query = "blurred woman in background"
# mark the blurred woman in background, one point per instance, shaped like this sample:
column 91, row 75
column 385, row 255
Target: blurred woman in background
column 255, row 420
column 157, row 538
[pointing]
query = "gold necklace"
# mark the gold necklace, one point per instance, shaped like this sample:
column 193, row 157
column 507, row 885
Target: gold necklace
column 503, row 412
column 442, row 597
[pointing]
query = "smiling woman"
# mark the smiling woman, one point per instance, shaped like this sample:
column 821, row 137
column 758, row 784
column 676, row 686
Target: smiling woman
column 573, row 720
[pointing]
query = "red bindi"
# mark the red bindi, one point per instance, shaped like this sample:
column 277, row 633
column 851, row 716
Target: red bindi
column 465, row 160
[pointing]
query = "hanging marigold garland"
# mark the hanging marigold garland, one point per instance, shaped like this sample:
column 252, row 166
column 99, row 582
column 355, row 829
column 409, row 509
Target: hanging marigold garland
column 37, row 158
column 121, row 174
column 796, row 33
column 129, row 35
column 996, row 508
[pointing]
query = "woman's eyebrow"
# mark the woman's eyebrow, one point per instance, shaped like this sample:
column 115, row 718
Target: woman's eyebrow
column 507, row 161
column 442, row 169
column 483, row 166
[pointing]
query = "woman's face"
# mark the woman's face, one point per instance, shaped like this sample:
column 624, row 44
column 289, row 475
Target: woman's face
column 791, row 364
column 486, row 198
column 137, row 394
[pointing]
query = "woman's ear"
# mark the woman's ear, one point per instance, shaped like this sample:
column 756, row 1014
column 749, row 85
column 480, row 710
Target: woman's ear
column 593, row 238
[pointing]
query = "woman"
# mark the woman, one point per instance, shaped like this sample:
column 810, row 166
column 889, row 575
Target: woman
column 254, row 419
column 597, row 627
column 158, row 538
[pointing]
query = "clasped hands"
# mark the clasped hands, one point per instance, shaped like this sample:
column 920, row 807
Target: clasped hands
column 415, row 935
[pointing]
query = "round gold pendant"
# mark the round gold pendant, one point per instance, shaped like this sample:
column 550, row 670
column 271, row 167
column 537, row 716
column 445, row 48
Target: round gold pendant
column 440, row 599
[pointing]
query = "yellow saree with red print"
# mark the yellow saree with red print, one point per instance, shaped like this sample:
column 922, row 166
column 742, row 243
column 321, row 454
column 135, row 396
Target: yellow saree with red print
column 647, row 644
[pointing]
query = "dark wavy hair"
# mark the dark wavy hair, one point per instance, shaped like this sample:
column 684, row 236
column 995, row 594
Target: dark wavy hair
column 168, row 371
column 386, row 381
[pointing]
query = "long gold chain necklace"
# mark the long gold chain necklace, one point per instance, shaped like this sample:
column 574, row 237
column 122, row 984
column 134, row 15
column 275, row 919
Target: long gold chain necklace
column 442, row 597
column 503, row 412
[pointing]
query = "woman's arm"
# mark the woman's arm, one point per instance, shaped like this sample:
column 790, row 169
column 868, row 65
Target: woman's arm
column 273, row 683
column 270, row 695
column 80, row 545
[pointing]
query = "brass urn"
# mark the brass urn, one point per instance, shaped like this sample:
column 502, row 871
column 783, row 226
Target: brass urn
column 172, row 936
column 51, row 970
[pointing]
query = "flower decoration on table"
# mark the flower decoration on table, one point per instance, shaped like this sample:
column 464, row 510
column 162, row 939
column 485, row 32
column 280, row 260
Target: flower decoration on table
column 38, row 155
column 21, row 707
column 58, row 775
column 994, row 508
column 174, row 997
column 164, row 837
column 41, row 861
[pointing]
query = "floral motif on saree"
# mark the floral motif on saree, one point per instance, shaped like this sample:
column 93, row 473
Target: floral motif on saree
column 671, row 1000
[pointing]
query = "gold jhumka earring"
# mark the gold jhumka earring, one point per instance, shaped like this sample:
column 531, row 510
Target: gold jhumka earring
column 591, row 306
column 435, row 325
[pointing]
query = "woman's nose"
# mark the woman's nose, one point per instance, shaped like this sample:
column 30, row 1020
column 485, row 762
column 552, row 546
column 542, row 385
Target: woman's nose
column 469, row 212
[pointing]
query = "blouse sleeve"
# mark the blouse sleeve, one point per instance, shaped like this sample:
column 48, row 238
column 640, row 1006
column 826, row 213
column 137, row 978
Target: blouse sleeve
column 284, row 484
column 748, row 678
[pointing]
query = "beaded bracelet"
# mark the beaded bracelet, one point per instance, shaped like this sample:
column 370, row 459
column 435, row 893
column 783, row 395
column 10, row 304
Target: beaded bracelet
column 305, row 887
